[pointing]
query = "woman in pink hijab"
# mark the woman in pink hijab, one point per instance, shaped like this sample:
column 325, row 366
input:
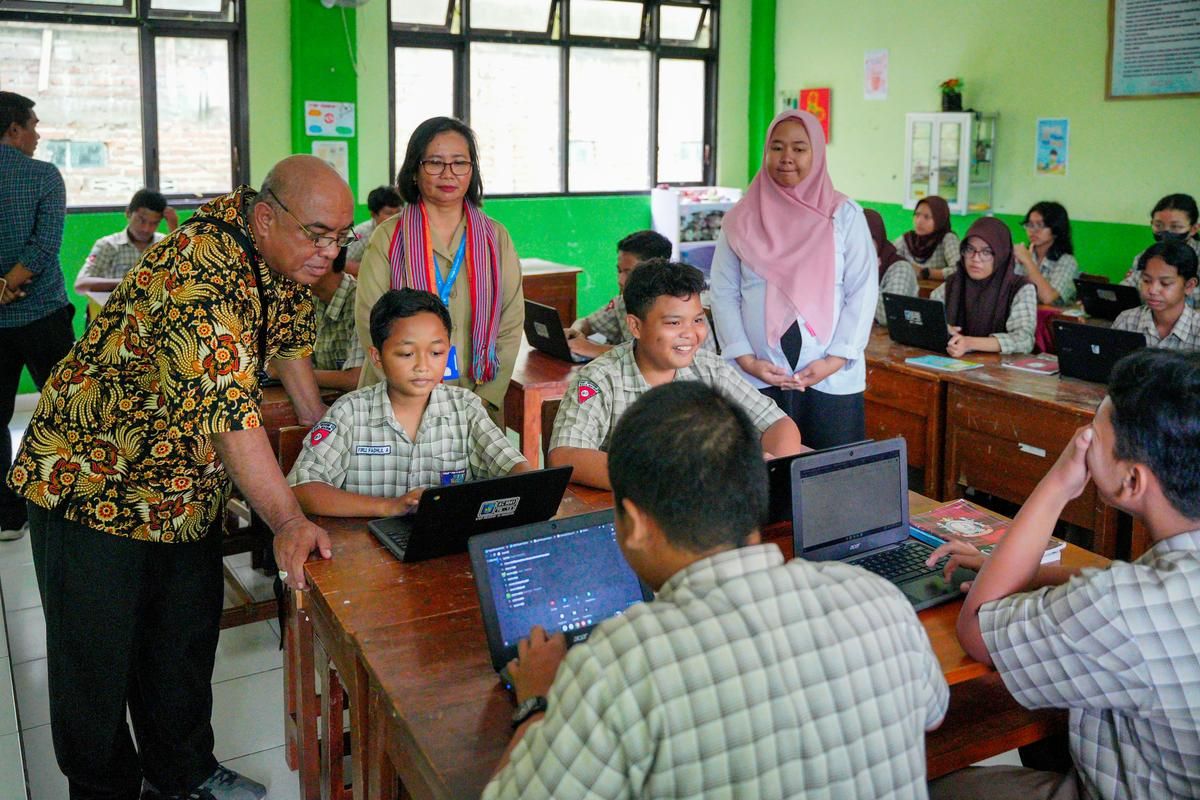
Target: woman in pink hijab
column 794, row 286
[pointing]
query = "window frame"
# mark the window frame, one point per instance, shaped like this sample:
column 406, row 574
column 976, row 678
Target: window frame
column 150, row 26
column 459, row 43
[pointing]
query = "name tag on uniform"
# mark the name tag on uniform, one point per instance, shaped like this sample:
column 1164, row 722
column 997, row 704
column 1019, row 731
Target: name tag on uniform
column 451, row 373
column 454, row 476
column 372, row 449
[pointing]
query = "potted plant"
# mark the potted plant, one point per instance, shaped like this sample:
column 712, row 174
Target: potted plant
column 952, row 94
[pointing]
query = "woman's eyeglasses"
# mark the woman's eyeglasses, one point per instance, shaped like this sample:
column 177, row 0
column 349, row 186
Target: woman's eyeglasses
column 436, row 166
column 1033, row 227
column 984, row 255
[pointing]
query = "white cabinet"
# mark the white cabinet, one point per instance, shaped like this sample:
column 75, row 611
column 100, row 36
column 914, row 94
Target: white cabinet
column 691, row 218
column 950, row 154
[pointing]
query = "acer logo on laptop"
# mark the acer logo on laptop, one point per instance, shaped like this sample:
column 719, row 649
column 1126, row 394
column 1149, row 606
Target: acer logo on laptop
column 1095, row 349
column 856, row 545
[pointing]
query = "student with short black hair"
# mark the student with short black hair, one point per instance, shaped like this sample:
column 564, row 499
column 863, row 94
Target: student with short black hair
column 1174, row 218
column 1167, row 279
column 610, row 321
column 669, row 328
column 380, row 447
column 733, row 682
column 383, row 203
column 1048, row 260
column 114, row 255
column 338, row 354
column 1119, row 647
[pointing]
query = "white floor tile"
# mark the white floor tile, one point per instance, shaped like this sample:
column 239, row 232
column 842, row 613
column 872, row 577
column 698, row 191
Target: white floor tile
column 33, row 693
column 248, row 714
column 8, row 702
column 19, row 583
column 26, row 634
column 246, row 650
column 270, row 769
column 12, row 776
column 258, row 585
column 16, row 552
column 46, row 782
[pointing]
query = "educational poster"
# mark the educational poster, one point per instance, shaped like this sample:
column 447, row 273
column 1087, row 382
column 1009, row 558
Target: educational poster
column 328, row 119
column 336, row 154
column 1152, row 48
column 816, row 102
column 875, row 75
column 1053, row 140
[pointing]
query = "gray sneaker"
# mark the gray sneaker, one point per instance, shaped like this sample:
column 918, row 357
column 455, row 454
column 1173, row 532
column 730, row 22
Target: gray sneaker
column 225, row 784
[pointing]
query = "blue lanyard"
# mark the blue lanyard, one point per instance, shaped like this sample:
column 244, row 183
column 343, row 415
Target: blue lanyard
column 445, row 286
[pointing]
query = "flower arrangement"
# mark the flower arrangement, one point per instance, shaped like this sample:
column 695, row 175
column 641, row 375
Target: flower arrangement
column 952, row 94
column 952, row 86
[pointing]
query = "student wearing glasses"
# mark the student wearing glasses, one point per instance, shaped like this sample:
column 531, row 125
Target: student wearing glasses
column 989, row 307
column 442, row 242
column 1048, row 260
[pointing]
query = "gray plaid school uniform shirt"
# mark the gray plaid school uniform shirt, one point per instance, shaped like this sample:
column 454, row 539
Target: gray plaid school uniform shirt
column 605, row 387
column 900, row 278
column 610, row 322
column 1134, row 276
column 356, row 249
column 945, row 257
column 114, row 255
column 1060, row 273
column 745, row 678
column 1184, row 336
column 33, row 207
column 337, row 345
column 1017, row 337
column 1120, row 648
column 360, row 447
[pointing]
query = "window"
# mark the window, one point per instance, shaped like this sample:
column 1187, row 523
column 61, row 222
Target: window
column 565, row 96
column 176, row 129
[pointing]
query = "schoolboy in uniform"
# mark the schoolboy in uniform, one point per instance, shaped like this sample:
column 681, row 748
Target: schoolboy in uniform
column 1118, row 647
column 1166, row 279
column 378, row 448
column 668, row 326
column 338, row 354
column 746, row 677
column 114, row 255
column 609, row 321
column 383, row 203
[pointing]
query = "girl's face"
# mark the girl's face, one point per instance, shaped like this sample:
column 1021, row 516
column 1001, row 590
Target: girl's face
column 1039, row 235
column 1162, row 287
column 923, row 222
column 1171, row 220
column 978, row 258
column 789, row 153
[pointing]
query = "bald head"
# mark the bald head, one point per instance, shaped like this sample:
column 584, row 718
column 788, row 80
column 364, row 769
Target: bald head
column 300, row 175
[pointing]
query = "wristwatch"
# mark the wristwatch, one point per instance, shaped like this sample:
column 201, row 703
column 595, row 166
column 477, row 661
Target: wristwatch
column 531, row 706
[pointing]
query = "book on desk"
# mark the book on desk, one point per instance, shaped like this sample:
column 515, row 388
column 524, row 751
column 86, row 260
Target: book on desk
column 963, row 520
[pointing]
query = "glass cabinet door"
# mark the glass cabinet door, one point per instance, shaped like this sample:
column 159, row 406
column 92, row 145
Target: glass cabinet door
column 949, row 135
column 922, row 160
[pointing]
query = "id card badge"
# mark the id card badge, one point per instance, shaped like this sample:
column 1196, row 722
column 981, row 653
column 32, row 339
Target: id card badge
column 451, row 373
column 454, row 477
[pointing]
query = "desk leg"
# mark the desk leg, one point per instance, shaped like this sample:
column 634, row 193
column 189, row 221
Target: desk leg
column 381, row 776
column 360, row 730
column 333, row 780
column 302, row 704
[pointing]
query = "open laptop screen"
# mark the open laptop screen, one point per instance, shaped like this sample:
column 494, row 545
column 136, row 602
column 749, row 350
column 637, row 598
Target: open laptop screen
column 567, row 580
column 849, row 498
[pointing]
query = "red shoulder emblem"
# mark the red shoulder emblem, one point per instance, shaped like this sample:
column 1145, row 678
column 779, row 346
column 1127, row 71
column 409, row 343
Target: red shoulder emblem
column 321, row 432
column 586, row 391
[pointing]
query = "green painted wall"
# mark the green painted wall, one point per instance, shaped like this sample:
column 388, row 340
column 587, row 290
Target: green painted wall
column 1022, row 58
column 763, row 68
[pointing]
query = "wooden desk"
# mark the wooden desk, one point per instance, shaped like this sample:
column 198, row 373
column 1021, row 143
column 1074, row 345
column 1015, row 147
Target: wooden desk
column 925, row 286
column 536, row 379
column 439, row 721
column 1004, row 430
column 552, row 285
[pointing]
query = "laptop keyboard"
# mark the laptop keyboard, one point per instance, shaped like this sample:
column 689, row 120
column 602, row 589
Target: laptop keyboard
column 901, row 563
column 400, row 537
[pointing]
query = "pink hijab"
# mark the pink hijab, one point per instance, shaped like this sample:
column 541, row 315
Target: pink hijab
column 785, row 235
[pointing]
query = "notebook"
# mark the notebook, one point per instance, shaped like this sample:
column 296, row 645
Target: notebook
column 544, row 330
column 1088, row 352
column 447, row 516
column 1106, row 300
column 564, row 574
column 916, row 321
column 828, row 526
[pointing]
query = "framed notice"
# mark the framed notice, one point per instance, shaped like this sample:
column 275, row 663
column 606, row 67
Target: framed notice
column 1152, row 49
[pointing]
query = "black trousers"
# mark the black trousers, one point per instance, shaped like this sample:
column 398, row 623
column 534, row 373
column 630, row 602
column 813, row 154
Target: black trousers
column 128, row 624
column 824, row 420
column 39, row 345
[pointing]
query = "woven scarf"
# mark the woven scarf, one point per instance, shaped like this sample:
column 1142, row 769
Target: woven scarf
column 413, row 265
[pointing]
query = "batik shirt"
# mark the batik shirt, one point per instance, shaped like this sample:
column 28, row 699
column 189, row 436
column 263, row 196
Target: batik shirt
column 121, row 440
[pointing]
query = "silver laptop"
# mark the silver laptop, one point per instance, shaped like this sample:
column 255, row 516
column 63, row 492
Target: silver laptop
column 872, row 533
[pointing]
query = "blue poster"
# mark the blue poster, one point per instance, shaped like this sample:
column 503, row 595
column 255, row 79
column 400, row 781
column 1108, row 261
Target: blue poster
column 1052, row 144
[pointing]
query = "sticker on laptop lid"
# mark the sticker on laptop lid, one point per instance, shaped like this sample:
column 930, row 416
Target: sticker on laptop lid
column 320, row 432
column 492, row 509
column 541, row 330
column 586, row 390
column 912, row 317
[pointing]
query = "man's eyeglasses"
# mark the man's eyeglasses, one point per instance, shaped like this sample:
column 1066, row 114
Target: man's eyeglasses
column 319, row 240
column 436, row 166
column 984, row 255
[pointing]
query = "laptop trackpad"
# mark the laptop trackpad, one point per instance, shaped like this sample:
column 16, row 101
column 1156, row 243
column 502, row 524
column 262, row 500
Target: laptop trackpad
column 933, row 587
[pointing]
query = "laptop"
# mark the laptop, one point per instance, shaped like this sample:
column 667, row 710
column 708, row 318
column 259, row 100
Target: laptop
column 871, row 534
column 916, row 321
column 447, row 516
column 544, row 330
column 564, row 574
column 1106, row 300
column 1088, row 352
column 779, row 483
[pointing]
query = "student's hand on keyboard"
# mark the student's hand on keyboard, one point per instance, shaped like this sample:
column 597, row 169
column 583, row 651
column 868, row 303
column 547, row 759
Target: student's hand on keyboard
column 957, row 554
column 532, row 671
column 406, row 503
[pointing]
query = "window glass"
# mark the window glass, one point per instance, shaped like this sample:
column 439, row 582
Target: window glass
column 608, row 18
column 679, row 23
column 420, row 12
column 90, row 109
column 511, row 15
column 200, row 6
column 194, row 145
column 424, row 88
column 609, row 139
column 680, row 120
column 515, row 116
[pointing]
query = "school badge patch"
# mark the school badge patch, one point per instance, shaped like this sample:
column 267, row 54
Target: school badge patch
column 586, row 391
column 320, row 432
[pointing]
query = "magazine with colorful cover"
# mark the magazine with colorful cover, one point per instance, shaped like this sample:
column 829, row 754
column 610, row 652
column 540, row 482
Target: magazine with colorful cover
column 943, row 363
column 960, row 519
column 1042, row 365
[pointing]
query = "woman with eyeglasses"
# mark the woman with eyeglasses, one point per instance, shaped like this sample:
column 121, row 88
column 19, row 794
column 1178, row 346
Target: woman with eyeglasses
column 443, row 243
column 1049, row 258
column 1174, row 218
column 989, row 307
column 931, row 247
